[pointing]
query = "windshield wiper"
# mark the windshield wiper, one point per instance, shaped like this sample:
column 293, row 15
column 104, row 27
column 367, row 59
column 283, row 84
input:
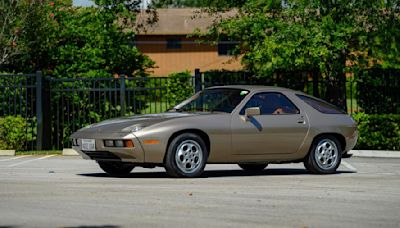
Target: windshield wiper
column 175, row 110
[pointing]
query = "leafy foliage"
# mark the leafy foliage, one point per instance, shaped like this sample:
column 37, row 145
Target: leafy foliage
column 24, row 25
column 13, row 132
column 66, row 41
column 94, row 42
column 378, row 132
column 330, row 37
column 179, row 87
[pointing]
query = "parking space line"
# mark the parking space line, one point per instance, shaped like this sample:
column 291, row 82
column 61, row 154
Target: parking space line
column 14, row 158
column 348, row 166
column 36, row 159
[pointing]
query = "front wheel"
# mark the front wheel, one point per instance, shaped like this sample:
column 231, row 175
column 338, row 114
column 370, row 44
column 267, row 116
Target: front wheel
column 325, row 155
column 186, row 156
column 253, row 167
column 117, row 169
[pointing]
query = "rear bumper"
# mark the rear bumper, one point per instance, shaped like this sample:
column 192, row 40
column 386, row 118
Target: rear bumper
column 103, row 153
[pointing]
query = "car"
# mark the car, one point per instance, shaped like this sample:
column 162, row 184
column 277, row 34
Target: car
column 251, row 126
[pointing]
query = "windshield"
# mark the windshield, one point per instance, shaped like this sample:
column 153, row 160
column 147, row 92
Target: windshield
column 213, row 100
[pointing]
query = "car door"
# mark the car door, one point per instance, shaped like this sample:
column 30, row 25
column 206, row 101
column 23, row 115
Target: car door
column 279, row 129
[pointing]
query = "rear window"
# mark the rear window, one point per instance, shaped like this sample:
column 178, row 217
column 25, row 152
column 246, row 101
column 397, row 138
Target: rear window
column 320, row 105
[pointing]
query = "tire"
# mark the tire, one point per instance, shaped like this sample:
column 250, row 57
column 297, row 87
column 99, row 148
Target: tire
column 325, row 155
column 117, row 169
column 186, row 156
column 253, row 167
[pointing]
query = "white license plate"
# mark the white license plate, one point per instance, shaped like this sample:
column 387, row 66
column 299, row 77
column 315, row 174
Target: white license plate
column 88, row 144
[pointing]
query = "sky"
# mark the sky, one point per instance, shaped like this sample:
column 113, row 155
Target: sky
column 82, row 3
column 90, row 3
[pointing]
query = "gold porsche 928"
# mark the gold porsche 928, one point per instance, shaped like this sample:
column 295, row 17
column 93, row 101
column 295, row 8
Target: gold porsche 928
column 251, row 126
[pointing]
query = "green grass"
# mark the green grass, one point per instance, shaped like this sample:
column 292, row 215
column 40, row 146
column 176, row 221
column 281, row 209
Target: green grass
column 39, row 152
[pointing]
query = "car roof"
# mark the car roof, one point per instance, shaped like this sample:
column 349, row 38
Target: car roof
column 252, row 88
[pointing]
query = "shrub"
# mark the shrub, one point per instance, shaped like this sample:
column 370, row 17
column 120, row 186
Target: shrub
column 179, row 87
column 378, row 132
column 12, row 132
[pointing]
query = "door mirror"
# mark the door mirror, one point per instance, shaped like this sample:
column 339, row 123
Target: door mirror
column 249, row 112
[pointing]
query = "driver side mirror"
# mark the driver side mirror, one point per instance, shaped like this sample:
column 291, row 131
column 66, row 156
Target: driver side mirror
column 249, row 112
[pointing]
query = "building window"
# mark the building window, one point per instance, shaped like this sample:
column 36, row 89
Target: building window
column 226, row 47
column 174, row 44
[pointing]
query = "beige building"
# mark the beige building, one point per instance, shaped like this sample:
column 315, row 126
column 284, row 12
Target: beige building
column 167, row 43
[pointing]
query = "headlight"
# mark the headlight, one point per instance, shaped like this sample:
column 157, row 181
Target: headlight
column 133, row 128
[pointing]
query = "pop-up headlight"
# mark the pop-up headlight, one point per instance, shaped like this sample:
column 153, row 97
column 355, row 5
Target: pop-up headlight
column 133, row 128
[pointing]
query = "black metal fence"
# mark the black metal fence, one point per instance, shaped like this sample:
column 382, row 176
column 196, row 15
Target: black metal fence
column 18, row 93
column 78, row 102
column 55, row 108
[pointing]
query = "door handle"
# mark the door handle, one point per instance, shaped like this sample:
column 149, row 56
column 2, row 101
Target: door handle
column 301, row 120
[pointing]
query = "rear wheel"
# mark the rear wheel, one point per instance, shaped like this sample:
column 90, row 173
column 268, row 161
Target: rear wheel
column 253, row 167
column 186, row 156
column 325, row 155
column 117, row 169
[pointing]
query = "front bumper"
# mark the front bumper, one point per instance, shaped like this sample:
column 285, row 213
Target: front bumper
column 102, row 153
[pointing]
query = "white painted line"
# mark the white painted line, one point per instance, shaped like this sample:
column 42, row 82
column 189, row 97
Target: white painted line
column 14, row 158
column 348, row 166
column 36, row 159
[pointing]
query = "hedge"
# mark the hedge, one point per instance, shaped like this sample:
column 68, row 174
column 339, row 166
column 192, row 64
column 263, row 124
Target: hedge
column 378, row 131
column 13, row 133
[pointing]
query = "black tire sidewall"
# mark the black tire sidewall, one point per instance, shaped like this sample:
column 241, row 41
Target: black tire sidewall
column 170, row 162
column 311, row 164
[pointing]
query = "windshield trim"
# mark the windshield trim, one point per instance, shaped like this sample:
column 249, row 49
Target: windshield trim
column 196, row 95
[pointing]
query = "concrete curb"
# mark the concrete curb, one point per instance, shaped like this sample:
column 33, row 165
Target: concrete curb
column 7, row 152
column 375, row 153
column 69, row 152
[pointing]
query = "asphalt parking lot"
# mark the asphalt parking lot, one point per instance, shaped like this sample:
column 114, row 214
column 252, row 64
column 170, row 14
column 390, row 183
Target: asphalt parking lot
column 56, row 191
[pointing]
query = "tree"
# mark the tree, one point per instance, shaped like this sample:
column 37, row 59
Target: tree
column 93, row 42
column 320, row 36
column 14, row 16
column 62, row 40
column 98, row 41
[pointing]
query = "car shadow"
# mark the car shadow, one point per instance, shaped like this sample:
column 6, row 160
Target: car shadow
column 217, row 173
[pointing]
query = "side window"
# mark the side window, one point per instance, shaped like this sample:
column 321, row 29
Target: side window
column 321, row 106
column 271, row 103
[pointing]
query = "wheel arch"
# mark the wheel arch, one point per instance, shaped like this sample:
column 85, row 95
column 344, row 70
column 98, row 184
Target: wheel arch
column 204, row 136
column 338, row 136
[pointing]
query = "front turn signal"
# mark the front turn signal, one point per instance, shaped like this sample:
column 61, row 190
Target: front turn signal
column 151, row 141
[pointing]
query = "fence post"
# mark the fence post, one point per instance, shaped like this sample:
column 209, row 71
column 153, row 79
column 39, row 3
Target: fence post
column 39, row 111
column 122, row 94
column 46, row 107
column 197, row 80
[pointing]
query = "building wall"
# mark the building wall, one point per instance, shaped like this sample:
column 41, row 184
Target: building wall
column 190, row 56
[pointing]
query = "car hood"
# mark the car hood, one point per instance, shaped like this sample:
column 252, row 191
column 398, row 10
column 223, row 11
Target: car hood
column 125, row 124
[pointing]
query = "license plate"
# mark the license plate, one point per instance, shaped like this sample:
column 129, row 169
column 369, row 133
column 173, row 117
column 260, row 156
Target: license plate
column 88, row 144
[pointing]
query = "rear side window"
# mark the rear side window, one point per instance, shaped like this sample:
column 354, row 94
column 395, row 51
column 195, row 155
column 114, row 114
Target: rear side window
column 320, row 105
